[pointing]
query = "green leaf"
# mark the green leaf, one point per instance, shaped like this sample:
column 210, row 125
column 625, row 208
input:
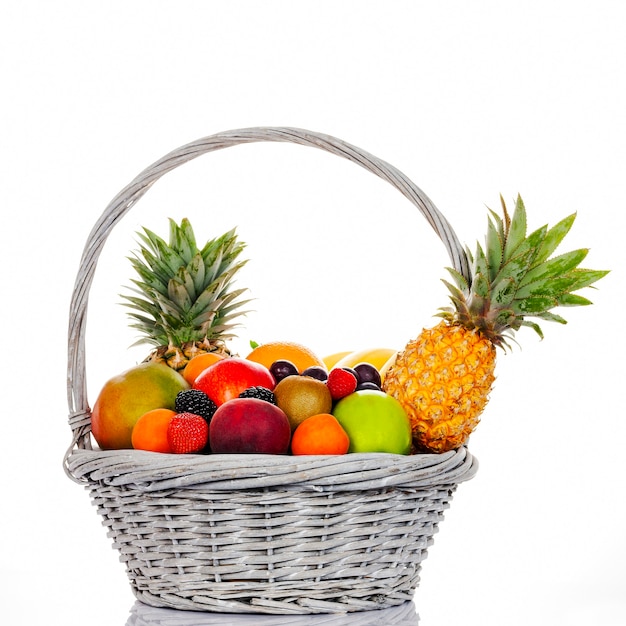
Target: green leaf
column 534, row 305
column 480, row 287
column 557, row 266
column 169, row 258
column 505, row 317
column 554, row 237
column 551, row 317
column 572, row 299
column 196, row 270
column 494, row 245
column 528, row 248
column 459, row 279
column 456, row 293
column 185, row 279
column 517, row 230
column 516, row 268
column 498, row 223
column 186, row 240
column 547, row 287
column 534, row 326
column 584, row 278
column 179, row 296
column 503, row 292
column 481, row 266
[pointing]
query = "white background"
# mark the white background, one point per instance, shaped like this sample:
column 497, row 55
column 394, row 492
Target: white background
column 470, row 100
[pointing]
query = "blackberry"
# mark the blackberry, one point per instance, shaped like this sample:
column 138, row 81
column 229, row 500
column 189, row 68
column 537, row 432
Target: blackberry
column 195, row 401
column 262, row 393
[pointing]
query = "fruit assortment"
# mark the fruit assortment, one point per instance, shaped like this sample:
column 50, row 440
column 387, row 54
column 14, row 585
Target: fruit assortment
column 237, row 405
column 192, row 395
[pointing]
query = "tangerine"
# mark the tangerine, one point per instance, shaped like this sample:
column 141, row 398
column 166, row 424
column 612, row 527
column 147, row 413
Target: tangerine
column 197, row 364
column 150, row 431
column 320, row 434
column 301, row 356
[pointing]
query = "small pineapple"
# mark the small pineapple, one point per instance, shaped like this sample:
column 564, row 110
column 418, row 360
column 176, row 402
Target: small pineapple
column 185, row 305
column 443, row 378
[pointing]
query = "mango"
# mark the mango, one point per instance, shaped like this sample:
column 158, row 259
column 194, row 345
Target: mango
column 127, row 396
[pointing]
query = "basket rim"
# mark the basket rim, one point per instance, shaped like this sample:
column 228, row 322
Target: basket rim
column 78, row 404
column 150, row 472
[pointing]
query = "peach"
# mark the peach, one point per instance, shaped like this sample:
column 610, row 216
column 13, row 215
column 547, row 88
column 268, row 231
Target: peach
column 249, row 426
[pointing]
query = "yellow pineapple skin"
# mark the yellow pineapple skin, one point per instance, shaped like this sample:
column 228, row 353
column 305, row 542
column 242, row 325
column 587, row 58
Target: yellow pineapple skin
column 443, row 379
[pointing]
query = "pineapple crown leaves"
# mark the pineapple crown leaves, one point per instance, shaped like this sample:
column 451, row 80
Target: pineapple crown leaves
column 185, row 293
column 515, row 276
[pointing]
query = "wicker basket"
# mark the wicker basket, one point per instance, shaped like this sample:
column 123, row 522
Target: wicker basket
column 261, row 533
column 143, row 615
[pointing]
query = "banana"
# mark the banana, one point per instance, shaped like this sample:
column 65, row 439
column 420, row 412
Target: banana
column 378, row 357
column 332, row 359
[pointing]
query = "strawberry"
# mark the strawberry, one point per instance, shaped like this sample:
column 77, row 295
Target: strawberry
column 187, row 433
column 341, row 383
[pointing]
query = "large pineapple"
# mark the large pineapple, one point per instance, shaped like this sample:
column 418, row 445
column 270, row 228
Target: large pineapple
column 186, row 305
column 443, row 378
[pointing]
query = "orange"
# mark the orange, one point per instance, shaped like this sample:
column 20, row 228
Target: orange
column 301, row 356
column 150, row 431
column 198, row 364
column 320, row 434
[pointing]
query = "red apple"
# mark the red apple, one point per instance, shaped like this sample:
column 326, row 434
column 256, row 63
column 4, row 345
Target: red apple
column 227, row 378
column 249, row 426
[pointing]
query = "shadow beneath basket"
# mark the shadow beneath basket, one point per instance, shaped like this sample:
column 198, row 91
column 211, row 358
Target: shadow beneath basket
column 143, row 615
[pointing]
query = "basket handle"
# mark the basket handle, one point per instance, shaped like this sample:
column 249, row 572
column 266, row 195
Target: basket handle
column 79, row 411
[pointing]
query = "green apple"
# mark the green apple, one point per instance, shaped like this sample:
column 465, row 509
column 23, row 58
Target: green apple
column 375, row 422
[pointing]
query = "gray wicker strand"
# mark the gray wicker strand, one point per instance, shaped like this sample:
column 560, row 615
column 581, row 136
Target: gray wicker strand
column 144, row 615
column 260, row 533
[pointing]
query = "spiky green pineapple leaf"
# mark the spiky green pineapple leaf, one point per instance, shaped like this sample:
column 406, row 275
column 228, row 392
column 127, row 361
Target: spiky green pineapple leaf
column 516, row 232
column 178, row 294
column 499, row 222
column 481, row 283
column 556, row 266
column 459, row 279
column 586, row 278
column 456, row 295
column 554, row 237
column 197, row 271
column 183, row 240
column 572, row 299
column 503, row 292
column 516, row 277
column 550, row 316
column 182, row 293
column 548, row 287
column 534, row 305
column 152, row 272
column 495, row 249
column 534, row 326
column 513, row 271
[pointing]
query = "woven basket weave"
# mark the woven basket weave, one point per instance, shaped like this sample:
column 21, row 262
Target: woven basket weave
column 143, row 615
column 261, row 533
